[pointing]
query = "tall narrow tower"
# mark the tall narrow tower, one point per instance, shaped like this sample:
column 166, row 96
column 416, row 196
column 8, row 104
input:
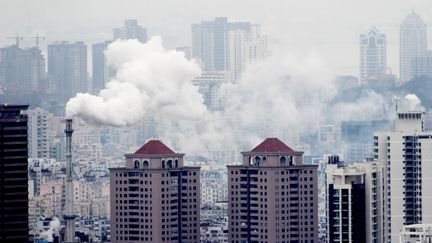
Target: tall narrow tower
column 413, row 43
column 68, row 216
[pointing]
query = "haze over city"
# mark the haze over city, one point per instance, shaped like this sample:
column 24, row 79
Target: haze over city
column 216, row 121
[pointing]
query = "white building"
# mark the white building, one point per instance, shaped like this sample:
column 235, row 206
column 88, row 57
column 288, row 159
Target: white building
column 39, row 133
column 220, row 45
column 354, row 209
column 413, row 43
column 417, row 233
column 373, row 54
column 245, row 47
column 406, row 156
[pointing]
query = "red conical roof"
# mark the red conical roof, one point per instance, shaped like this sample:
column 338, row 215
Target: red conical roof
column 154, row 147
column 272, row 145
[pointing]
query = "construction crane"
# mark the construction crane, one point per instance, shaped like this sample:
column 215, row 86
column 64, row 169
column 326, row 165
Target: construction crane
column 17, row 39
column 37, row 38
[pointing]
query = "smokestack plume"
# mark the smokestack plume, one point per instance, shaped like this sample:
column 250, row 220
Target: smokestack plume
column 150, row 80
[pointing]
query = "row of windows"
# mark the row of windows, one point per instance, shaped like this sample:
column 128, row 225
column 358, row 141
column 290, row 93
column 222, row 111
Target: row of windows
column 133, row 174
column 125, row 182
column 142, row 226
column 134, row 214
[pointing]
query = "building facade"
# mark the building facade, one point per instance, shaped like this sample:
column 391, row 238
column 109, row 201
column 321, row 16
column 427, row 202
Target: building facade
column 406, row 156
column 417, row 233
column 413, row 43
column 130, row 30
column 220, row 45
column 13, row 174
column 272, row 196
column 39, row 133
column 422, row 65
column 22, row 69
column 373, row 54
column 101, row 71
column 155, row 198
column 353, row 199
column 67, row 64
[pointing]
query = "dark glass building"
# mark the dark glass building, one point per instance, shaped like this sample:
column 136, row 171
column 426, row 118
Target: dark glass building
column 13, row 174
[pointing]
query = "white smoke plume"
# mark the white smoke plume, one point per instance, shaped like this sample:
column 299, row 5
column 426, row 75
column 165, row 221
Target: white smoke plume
column 149, row 79
column 282, row 96
column 54, row 228
column 274, row 98
column 411, row 102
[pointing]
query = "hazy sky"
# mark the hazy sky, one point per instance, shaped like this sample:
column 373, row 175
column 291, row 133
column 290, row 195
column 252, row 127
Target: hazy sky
column 328, row 27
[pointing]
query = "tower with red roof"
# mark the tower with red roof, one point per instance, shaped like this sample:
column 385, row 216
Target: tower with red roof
column 272, row 196
column 155, row 198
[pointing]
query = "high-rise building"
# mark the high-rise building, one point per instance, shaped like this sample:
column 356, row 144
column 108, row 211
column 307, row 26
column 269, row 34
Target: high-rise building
column 245, row 45
column 130, row 30
column 155, row 198
column 22, row 69
column 202, row 44
column 272, row 196
column 405, row 154
column 373, row 54
column 101, row 71
column 39, row 133
column 220, row 45
column 13, row 174
column 354, row 205
column 67, row 63
column 413, row 43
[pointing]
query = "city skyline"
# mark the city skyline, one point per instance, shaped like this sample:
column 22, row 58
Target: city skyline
column 324, row 38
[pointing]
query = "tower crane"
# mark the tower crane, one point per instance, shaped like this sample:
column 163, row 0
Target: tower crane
column 17, row 39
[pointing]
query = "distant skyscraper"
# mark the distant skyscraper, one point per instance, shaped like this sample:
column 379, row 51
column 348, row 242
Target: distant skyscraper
column 406, row 158
column 413, row 43
column 202, row 44
column 67, row 63
column 101, row 71
column 373, row 54
column 22, row 69
column 227, row 46
column 13, row 173
column 245, row 46
column 272, row 196
column 130, row 30
column 354, row 204
column 155, row 198
column 220, row 28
